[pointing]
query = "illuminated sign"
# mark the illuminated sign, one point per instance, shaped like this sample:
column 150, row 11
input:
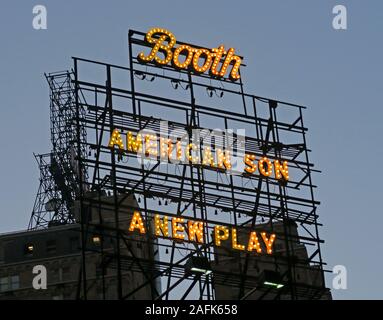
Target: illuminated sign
column 148, row 145
column 190, row 230
column 216, row 60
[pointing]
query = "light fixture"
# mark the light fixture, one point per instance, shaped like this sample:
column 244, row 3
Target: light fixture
column 175, row 83
column 151, row 79
column 272, row 279
column 209, row 91
column 198, row 265
column 96, row 239
column 28, row 249
column 140, row 75
column 185, row 88
column 272, row 284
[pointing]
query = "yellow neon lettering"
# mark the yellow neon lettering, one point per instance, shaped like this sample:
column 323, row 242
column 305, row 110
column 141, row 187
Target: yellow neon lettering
column 249, row 161
column 223, row 159
column 218, row 53
column 161, row 225
column 234, row 240
column 188, row 58
column 269, row 167
column 165, row 35
column 134, row 144
column 281, row 170
column 195, row 229
column 150, row 145
column 163, row 41
column 178, row 228
column 207, row 62
column 220, row 233
column 254, row 243
column 137, row 223
column 268, row 242
column 207, row 157
column 230, row 57
column 116, row 140
column 189, row 148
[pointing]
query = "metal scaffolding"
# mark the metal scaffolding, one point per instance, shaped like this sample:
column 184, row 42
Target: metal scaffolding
column 95, row 98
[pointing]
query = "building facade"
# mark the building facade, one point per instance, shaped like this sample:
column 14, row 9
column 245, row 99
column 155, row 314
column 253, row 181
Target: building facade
column 285, row 274
column 58, row 249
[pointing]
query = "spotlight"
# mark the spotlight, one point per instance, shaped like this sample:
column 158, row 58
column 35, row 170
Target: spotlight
column 28, row 249
column 140, row 75
column 185, row 88
column 210, row 91
column 96, row 240
column 271, row 279
column 175, row 84
column 198, row 265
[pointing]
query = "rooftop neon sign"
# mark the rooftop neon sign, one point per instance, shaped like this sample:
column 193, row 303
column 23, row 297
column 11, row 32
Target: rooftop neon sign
column 216, row 60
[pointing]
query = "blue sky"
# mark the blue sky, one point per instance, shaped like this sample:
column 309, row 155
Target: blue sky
column 292, row 54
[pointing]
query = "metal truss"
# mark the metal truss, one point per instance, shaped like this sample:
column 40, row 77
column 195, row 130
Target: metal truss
column 95, row 98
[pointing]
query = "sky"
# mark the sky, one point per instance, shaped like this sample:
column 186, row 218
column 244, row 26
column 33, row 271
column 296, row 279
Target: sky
column 292, row 53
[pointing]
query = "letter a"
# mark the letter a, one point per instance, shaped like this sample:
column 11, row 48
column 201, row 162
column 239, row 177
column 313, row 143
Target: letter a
column 39, row 281
column 40, row 20
column 340, row 280
column 339, row 22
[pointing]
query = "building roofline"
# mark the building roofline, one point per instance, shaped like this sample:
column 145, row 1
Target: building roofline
column 37, row 231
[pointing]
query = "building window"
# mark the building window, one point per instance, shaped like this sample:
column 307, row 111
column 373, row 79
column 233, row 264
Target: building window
column 15, row 282
column 74, row 244
column 100, row 271
column 51, row 246
column 9, row 283
column 4, row 284
column 55, row 275
column 66, row 275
